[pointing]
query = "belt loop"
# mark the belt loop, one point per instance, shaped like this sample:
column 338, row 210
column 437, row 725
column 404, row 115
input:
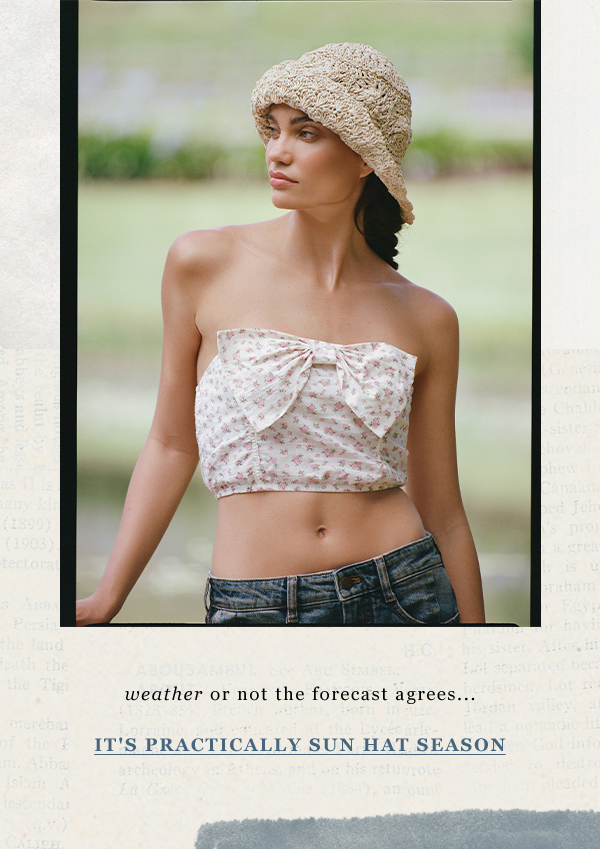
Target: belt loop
column 292, row 599
column 384, row 579
column 206, row 599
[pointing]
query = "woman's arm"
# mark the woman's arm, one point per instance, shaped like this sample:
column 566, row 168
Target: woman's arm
column 432, row 468
column 170, row 454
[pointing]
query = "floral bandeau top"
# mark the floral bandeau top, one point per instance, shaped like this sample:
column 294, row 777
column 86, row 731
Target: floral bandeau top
column 280, row 412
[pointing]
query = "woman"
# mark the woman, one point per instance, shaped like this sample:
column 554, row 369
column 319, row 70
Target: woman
column 304, row 351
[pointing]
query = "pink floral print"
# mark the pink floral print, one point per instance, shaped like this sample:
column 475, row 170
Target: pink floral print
column 282, row 412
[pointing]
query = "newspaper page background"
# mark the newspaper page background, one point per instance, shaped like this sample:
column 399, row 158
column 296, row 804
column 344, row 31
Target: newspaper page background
column 63, row 691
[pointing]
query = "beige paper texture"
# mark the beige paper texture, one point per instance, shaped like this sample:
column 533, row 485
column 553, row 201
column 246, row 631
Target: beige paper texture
column 536, row 690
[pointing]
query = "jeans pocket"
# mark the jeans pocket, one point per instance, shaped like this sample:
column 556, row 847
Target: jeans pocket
column 249, row 616
column 426, row 598
column 415, row 599
column 217, row 616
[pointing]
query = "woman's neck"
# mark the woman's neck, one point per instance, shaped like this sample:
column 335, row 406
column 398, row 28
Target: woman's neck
column 328, row 246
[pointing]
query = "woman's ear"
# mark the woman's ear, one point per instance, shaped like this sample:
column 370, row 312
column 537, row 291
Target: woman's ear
column 366, row 169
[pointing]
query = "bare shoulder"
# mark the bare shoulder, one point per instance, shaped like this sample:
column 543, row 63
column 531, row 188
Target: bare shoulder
column 427, row 324
column 200, row 251
column 431, row 313
column 197, row 263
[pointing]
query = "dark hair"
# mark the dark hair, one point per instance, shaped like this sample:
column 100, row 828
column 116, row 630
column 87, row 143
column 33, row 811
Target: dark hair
column 379, row 218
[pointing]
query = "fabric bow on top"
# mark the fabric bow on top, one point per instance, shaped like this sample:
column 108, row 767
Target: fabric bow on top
column 267, row 370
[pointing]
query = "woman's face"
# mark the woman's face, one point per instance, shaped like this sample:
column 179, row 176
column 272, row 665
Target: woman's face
column 309, row 166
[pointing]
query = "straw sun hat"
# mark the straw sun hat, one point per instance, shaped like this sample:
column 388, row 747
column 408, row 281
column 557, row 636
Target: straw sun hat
column 356, row 92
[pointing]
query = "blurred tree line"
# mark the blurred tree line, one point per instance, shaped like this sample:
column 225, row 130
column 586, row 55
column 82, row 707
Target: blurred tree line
column 138, row 155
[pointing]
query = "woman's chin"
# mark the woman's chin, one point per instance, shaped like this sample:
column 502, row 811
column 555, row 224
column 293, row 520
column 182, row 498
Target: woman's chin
column 280, row 202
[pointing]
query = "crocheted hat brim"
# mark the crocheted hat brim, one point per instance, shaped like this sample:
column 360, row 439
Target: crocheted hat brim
column 329, row 103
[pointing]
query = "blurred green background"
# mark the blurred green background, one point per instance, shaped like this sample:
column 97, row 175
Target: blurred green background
column 168, row 145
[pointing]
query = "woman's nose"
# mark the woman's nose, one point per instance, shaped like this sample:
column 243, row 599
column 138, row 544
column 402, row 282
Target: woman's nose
column 278, row 150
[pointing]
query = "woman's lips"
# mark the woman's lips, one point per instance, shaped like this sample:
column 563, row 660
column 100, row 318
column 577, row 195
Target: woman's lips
column 278, row 180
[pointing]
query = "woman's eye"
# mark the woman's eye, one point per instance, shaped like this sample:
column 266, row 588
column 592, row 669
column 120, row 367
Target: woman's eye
column 306, row 134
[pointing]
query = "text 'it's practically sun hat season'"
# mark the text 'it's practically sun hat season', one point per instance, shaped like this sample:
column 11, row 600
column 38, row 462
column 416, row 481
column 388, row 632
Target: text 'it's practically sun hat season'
column 356, row 92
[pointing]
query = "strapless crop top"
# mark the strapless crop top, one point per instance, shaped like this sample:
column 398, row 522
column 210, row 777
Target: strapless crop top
column 280, row 412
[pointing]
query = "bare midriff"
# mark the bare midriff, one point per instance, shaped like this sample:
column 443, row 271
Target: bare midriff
column 270, row 534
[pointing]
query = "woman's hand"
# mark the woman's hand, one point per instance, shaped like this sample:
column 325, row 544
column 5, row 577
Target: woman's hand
column 93, row 610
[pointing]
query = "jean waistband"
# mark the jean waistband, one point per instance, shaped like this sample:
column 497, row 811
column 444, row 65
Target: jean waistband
column 342, row 583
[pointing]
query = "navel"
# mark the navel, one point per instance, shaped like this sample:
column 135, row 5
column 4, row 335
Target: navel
column 321, row 532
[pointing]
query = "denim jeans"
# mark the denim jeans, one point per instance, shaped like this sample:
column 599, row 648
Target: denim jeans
column 408, row 586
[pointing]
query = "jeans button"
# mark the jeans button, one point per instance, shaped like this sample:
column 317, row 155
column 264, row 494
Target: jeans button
column 349, row 581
